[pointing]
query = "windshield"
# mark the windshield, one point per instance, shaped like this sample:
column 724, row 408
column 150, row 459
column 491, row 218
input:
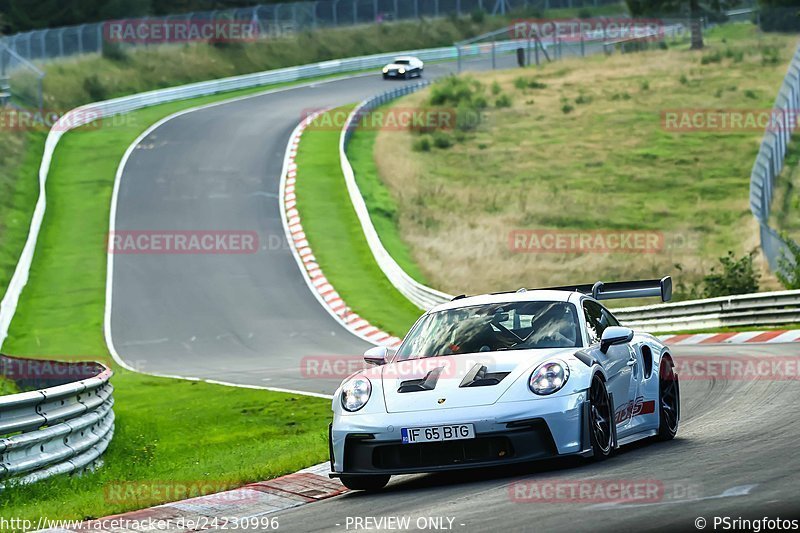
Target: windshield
column 402, row 62
column 487, row 328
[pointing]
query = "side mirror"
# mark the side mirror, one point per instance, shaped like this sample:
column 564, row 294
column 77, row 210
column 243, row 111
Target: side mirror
column 614, row 335
column 378, row 355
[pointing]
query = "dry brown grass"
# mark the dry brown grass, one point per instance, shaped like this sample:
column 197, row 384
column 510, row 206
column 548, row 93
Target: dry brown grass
column 606, row 165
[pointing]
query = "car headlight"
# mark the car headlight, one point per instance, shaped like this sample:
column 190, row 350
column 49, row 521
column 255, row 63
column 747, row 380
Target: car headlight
column 385, row 70
column 549, row 377
column 402, row 71
column 355, row 393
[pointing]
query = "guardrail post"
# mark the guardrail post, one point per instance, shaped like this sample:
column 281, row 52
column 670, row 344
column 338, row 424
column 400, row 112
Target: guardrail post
column 494, row 61
column 355, row 11
column 61, row 42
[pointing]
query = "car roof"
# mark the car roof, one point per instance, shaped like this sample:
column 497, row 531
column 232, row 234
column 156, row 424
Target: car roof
column 404, row 57
column 509, row 297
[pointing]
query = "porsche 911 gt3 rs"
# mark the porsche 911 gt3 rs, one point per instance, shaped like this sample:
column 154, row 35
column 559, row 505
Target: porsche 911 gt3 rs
column 505, row 378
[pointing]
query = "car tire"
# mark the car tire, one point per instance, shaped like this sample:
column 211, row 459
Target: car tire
column 669, row 398
column 601, row 418
column 367, row 483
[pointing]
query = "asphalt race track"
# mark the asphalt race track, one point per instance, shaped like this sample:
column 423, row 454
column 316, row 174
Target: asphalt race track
column 250, row 319
column 242, row 318
column 736, row 437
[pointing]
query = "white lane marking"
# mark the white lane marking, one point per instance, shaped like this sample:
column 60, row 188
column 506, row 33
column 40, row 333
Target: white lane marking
column 113, row 218
column 740, row 490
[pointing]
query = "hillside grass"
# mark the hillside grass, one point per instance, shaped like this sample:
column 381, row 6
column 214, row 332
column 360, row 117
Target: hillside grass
column 587, row 151
column 334, row 233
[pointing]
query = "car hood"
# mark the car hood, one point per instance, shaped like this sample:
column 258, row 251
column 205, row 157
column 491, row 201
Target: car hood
column 458, row 381
column 395, row 66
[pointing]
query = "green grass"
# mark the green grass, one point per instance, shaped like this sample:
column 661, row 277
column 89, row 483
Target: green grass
column 8, row 386
column 20, row 153
column 182, row 433
column 167, row 430
column 336, row 238
column 382, row 206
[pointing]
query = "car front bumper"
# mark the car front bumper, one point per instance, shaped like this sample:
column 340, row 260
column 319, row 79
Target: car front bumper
column 516, row 432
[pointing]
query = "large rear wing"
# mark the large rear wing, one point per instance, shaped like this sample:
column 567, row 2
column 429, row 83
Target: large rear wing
column 624, row 289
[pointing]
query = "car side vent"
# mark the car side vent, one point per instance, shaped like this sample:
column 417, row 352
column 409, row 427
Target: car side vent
column 422, row 384
column 479, row 377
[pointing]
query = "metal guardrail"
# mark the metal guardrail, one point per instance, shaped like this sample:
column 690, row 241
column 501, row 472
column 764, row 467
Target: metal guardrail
column 769, row 162
column 64, row 426
column 760, row 309
column 417, row 293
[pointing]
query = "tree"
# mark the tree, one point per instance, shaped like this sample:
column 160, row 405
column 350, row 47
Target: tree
column 738, row 276
column 789, row 264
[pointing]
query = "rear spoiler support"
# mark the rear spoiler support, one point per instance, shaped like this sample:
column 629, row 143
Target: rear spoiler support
column 624, row 289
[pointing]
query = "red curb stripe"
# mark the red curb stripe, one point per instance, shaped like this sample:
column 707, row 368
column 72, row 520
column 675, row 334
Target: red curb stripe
column 716, row 339
column 764, row 337
column 678, row 338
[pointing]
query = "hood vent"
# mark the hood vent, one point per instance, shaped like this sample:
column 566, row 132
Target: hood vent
column 479, row 377
column 422, row 384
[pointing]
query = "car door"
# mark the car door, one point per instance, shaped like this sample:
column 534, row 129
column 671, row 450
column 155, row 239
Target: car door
column 618, row 361
column 626, row 414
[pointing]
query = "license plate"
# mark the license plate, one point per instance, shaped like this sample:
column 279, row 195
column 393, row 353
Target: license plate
column 393, row 74
column 437, row 433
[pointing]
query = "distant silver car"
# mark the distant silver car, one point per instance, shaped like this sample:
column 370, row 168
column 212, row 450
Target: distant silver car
column 403, row 67
column 506, row 378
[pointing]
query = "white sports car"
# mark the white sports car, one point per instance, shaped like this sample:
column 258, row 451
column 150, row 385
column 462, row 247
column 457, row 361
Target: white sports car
column 503, row 378
column 403, row 67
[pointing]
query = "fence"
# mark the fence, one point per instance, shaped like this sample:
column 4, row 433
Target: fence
column 63, row 424
column 278, row 19
column 26, row 73
column 769, row 162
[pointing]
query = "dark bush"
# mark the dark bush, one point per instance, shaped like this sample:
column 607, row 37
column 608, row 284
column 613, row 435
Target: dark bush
column 737, row 276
